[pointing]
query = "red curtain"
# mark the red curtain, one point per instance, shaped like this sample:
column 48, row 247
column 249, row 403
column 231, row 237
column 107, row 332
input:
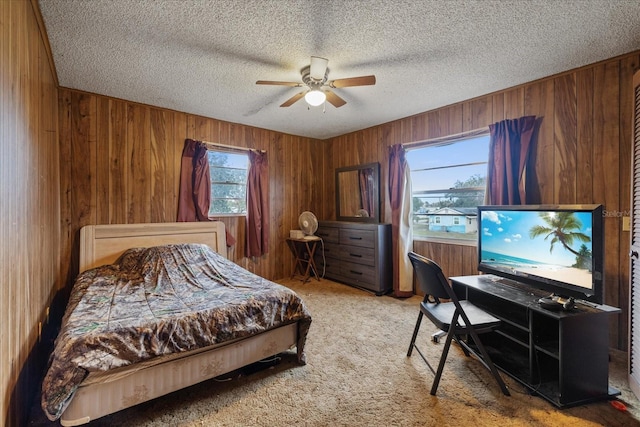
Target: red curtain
column 195, row 183
column 397, row 166
column 509, row 150
column 257, row 204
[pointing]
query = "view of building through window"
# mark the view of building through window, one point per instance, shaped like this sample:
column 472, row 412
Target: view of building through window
column 448, row 182
column 228, row 182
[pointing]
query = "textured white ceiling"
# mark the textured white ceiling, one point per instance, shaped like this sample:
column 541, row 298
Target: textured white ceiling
column 204, row 57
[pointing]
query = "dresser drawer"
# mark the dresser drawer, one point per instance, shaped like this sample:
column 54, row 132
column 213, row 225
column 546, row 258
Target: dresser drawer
column 329, row 234
column 329, row 257
column 331, row 250
column 364, row 238
column 330, row 267
column 358, row 274
column 358, row 254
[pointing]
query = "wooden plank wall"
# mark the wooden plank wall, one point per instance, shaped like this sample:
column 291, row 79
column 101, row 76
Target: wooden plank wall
column 582, row 156
column 29, row 204
column 120, row 164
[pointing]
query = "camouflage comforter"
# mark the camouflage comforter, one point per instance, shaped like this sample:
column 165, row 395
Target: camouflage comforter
column 157, row 301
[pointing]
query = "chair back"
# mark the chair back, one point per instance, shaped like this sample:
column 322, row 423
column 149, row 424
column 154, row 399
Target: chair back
column 430, row 278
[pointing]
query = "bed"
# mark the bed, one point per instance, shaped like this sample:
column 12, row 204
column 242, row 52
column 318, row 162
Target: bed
column 194, row 315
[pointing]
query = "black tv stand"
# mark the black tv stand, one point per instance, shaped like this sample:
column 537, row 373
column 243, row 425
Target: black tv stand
column 562, row 356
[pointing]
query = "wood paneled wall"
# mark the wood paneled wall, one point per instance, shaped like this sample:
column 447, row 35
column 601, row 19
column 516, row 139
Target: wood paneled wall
column 120, row 163
column 29, row 204
column 582, row 156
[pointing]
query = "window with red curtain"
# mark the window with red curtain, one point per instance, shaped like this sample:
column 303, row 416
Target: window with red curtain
column 257, row 204
column 195, row 183
column 509, row 159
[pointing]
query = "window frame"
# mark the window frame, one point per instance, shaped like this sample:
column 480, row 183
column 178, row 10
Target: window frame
column 226, row 151
column 435, row 142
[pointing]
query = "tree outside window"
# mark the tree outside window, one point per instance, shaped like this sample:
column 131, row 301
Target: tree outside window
column 228, row 183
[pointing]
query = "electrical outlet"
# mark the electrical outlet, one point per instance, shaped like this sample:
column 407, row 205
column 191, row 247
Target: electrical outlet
column 626, row 223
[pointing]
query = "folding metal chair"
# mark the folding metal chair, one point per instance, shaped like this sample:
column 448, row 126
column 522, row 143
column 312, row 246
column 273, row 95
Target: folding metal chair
column 456, row 318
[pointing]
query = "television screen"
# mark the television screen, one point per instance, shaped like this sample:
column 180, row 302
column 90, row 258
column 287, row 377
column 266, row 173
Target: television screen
column 556, row 248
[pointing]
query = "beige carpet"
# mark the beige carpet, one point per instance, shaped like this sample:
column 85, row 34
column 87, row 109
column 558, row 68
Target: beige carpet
column 357, row 374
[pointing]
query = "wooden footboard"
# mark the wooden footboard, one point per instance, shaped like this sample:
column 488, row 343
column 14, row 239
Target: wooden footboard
column 99, row 399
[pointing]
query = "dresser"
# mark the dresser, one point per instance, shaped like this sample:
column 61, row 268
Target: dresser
column 357, row 254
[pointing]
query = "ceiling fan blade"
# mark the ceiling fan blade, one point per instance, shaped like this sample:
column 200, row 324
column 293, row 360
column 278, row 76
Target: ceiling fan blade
column 268, row 82
column 293, row 99
column 334, row 99
column 318, row 67
column 353, row 81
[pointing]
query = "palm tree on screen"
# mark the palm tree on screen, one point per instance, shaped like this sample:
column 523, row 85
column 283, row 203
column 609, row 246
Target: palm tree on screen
column 584, row 258
column 562, row 227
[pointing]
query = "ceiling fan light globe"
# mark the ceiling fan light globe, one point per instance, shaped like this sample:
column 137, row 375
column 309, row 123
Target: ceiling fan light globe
column 315, row 97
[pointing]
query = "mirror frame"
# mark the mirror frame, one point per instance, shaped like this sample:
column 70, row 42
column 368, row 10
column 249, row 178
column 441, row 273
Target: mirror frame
column 375, row 217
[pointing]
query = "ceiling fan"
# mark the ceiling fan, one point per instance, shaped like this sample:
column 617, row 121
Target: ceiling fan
column 315, row 77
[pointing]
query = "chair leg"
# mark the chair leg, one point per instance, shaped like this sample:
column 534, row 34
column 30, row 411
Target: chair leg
column 443, row 358
column 415, row 334
column 435, row 337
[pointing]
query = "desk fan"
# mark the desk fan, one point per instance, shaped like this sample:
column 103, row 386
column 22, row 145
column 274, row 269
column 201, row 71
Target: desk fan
column 308, row 224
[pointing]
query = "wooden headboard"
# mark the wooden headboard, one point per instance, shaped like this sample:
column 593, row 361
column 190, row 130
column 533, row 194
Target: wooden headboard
column 103, row 244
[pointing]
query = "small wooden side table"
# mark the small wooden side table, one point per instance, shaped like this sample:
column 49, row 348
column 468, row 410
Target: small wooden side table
column 303, row 251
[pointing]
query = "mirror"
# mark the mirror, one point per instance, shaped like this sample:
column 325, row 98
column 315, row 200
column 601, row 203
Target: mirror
column 358, row 193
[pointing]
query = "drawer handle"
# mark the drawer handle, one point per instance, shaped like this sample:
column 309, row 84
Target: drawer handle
column 356, row 272
column 355, row 238
column 355, row 255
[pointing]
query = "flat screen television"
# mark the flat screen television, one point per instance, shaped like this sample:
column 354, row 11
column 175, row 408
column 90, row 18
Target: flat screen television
column 556, row 248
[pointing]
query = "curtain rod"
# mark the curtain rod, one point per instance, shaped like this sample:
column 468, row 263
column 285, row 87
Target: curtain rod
column 231, row 147
column 474, row 132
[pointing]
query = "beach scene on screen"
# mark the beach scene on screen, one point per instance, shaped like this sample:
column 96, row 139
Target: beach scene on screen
column 553, row 245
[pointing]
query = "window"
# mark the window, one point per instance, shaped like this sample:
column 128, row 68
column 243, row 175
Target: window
column 228, row 182
column 448, row 182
